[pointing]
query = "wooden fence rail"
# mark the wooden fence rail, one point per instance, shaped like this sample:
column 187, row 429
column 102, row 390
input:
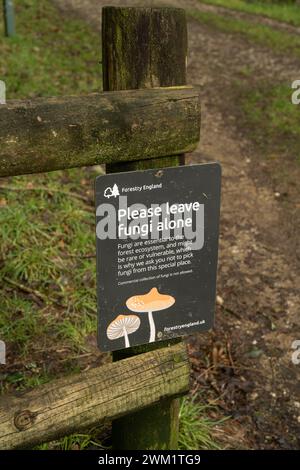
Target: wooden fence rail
column 48, row 134
column 74, row 403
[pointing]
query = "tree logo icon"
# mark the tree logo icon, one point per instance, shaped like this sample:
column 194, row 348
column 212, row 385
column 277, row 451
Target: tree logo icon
column 112, row 192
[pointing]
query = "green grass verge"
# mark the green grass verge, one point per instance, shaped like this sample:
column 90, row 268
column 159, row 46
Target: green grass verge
column 47, row 265
column 196, row 428
column 47, row 271
column 270, row 117
column 264, row 35
column 286, row 12
column 48, row 56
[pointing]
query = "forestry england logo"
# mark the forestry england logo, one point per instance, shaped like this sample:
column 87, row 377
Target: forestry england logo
column 2, row 92
column 2, row 352
column 296, row 353
column 296, row 94
column 112, row 192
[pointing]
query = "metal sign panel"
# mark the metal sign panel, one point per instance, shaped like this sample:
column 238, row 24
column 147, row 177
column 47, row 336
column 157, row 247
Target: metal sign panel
column 157, row 249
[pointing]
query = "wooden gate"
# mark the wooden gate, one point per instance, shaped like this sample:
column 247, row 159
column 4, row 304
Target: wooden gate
column 146, row 118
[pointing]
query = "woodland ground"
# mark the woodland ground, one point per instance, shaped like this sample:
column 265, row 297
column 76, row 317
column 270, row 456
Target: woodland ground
column 243, row 65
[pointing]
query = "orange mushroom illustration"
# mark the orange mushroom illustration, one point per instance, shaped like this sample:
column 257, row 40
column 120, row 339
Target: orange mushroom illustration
column 122, row 326
column 151, row 302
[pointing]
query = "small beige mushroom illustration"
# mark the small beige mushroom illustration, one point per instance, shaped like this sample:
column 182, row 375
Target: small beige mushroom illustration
column 151, row 302
column 122, row 326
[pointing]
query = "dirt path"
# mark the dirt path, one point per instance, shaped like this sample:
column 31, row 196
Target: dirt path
column 263, row 20
column 246, row 361
column 86, row 9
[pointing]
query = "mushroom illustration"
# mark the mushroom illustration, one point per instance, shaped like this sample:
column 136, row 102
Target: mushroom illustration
column 122, row 326
column 151, row 302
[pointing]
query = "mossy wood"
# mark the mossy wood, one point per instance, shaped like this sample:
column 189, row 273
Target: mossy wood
column 49, row 134
column 75, row 403
column 145, row 48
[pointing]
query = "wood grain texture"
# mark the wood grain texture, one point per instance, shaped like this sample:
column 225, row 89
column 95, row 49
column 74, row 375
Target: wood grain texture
column 49, row 134
column 143, row 47
column 72, row 404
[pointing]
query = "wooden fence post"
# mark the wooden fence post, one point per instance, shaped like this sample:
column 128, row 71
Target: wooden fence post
column 145, row 48
column 9, row 18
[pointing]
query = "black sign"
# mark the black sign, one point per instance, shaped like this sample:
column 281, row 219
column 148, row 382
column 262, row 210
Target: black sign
column 157, row 249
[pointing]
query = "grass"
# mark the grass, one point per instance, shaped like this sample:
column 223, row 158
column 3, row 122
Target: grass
column 47, row 265
column 79, row 441
column 196, row 428
column 266, row 36
column 48, row 56
column 267, row 116
column 35, row 377
column 47, row 274
column 286, row 12
column 271, row 114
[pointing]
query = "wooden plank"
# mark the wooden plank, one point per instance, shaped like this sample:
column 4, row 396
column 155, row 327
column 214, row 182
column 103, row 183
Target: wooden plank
column 49, row 134
column 72, row 404
column 144, row 48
